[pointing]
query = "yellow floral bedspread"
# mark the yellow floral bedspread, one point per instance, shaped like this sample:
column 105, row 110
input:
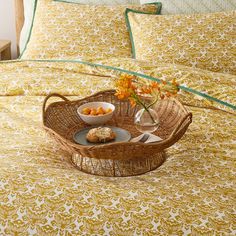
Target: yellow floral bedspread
column 41, row 193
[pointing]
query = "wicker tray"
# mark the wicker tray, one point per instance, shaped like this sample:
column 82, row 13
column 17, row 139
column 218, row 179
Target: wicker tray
column 61, row 121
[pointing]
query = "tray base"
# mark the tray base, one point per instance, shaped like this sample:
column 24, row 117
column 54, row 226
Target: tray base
column 118, row 168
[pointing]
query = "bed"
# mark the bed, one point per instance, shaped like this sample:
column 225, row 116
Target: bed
column 41, row 193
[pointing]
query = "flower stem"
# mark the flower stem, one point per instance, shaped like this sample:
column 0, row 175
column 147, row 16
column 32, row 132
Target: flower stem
column 154, row 101
column 144, row 106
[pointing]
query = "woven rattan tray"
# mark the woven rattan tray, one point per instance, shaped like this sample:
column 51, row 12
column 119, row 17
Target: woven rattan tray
column 61, row 121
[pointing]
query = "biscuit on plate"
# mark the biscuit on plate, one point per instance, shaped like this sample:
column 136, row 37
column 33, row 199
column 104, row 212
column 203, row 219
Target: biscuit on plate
column 100, row 135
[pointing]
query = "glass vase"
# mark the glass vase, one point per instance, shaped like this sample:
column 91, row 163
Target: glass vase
column 146, row 120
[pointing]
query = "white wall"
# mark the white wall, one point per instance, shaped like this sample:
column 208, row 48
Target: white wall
column 7, row 23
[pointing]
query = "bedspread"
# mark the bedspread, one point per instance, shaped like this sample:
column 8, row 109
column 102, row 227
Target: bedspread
column 41, row 193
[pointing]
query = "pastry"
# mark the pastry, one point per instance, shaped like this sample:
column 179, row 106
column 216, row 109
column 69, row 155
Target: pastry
column 100, row 135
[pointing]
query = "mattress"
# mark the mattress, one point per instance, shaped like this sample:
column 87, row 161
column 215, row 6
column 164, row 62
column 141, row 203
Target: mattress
column 43, row 194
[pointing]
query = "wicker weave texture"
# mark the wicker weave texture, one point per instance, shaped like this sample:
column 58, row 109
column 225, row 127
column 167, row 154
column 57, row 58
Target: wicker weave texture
column 115, row 159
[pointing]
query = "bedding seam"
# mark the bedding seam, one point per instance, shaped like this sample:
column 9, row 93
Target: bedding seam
column 184, row 88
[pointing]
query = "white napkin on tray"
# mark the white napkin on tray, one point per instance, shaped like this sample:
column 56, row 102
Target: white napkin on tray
column 151, row 139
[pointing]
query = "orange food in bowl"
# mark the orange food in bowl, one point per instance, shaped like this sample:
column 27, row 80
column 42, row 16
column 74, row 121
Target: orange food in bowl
column 96, row 111
column 86, row 111
column 100, row 111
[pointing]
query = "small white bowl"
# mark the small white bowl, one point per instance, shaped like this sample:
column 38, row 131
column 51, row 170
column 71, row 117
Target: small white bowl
column 96, row 120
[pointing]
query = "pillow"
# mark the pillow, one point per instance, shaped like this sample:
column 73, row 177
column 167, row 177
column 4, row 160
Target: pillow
column 102, row 2
column 194, row 6
column 29, row 6
column 29, row 12
column 73, row 31
column 206, row 41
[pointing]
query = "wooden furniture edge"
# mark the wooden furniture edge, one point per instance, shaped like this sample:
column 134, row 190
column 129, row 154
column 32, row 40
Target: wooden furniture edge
column 5, row 49
column 19, row 18
column 4, row 44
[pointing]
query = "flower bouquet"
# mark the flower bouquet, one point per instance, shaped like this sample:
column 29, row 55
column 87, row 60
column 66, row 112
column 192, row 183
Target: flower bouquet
column 145, row 94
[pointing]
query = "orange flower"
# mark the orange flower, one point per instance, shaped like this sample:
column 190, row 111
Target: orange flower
column 168, row 94
column 174, row 82
column 132, row 102
column 164, row 82
column 129, row 87
column 122, row 94
column 125, row 83
column 145, row 90
column 154, row 85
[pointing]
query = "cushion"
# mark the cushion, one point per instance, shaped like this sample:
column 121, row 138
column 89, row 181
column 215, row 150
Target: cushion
column 29, row 12
column 102, row 2
column 73, row 31
column 28, row 16
column 206, row 41
column 194, row 6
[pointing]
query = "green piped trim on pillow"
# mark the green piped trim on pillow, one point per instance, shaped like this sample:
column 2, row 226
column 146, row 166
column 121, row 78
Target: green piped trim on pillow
column 158, row 12
column 159, row 4
column 129, row 26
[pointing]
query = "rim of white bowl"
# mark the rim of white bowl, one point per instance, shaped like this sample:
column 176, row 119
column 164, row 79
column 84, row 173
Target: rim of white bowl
column 113, row 109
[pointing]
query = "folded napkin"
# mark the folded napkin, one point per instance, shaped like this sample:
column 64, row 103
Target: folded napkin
column 151, row 138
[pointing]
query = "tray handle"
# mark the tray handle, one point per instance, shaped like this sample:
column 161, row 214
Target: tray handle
column 52, row 95
column 189, row 117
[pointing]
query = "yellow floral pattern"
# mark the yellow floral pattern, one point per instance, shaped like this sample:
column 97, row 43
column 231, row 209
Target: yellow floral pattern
column 205, row 41
column 41, row 193
column 68, row 30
